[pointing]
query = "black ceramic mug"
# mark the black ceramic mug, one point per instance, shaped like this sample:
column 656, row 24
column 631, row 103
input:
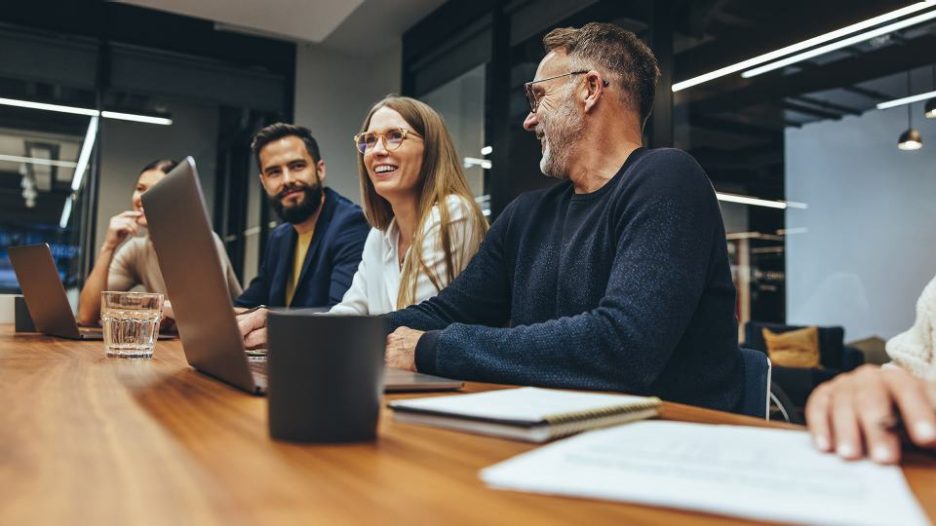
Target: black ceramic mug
column 325, row 376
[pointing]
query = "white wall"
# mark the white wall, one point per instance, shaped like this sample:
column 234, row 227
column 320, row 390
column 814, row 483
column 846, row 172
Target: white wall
column 333, row 94
column 871, row 242
column 128, row 146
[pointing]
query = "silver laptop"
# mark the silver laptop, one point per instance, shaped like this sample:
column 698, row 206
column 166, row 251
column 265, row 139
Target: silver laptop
column 191, row 266
column 45, row 295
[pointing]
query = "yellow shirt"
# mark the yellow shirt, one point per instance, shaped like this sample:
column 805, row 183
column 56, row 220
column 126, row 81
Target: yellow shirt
column 302, row 248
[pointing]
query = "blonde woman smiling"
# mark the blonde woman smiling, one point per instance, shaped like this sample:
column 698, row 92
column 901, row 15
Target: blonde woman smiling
column 426, row 224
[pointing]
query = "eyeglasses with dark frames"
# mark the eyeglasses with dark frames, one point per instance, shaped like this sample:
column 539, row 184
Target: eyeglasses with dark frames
column 531, row 95
column 392, row 139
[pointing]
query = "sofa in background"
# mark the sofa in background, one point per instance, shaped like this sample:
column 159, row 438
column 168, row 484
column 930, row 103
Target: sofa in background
column 797, row 383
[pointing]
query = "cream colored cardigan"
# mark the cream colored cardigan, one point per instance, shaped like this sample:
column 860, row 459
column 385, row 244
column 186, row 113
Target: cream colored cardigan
column 913, row 349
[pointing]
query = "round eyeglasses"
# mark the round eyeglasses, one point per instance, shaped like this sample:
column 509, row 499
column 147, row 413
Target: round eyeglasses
column 392, row 139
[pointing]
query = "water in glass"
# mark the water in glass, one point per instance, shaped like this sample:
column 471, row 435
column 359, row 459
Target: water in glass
column 131, row 323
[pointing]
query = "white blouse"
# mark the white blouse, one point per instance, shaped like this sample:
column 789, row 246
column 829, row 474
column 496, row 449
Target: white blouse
column 376, row 283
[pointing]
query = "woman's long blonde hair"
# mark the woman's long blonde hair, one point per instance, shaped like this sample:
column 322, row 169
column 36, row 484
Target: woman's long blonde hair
column 440, row 176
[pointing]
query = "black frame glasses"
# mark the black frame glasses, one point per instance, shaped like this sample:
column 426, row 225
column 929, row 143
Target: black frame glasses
column 534, row 101
column 361, row 139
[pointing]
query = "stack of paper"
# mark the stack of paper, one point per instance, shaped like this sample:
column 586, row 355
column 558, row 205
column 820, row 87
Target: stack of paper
column 764, row 474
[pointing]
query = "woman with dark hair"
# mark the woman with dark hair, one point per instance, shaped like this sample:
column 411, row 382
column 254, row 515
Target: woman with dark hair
column 134, row 264
column 426, row 224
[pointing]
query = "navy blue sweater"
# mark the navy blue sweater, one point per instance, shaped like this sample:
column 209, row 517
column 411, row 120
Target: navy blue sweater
column 627, row 288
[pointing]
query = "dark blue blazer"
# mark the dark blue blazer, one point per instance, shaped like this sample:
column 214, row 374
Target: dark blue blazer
column 330, row 263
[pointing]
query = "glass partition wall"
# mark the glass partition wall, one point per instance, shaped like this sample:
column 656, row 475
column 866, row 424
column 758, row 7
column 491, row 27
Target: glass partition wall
column 81, row 116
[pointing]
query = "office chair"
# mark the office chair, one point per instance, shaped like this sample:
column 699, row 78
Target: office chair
column 756, row 397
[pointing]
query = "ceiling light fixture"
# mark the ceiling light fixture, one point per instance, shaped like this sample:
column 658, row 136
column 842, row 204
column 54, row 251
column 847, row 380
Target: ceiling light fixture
column 910, row 139
column 930, row 110
column 468, row 162
column 37, row 160
column 805, row 44
column 906, row 100
column 148, row 119
column 828, row 48
column 76, row 110
column 66, row 212
column 84, row 158
column 754, row 201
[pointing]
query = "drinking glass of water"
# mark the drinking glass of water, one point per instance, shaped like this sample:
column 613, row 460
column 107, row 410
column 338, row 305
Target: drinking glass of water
column 131, row 322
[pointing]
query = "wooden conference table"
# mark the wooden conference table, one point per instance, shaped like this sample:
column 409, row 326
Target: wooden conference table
column 89, row 440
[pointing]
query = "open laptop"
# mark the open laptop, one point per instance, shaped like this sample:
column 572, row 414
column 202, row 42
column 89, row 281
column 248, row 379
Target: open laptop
column 191, row 267
column 45, row 295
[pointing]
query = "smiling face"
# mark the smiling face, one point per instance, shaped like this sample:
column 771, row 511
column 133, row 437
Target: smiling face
column 291, row 178
column 557, row 123
column 394, row 174
column 144, row 182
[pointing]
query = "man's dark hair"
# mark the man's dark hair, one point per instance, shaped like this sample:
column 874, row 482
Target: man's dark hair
column 277, row 131
column 163, row 165
column 616, row 51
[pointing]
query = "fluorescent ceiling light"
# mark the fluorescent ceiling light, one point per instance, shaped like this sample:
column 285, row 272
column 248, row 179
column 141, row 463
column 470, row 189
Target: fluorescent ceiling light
column 37, row 160
column 799, row 46
column 48, row 107
column 85, row 156
column 906, row 100
column 487, row 150
column 66, row 212
column 754, row 201
column 822, row 50
column 83, row 159
column 136, row 118
column 75, row 110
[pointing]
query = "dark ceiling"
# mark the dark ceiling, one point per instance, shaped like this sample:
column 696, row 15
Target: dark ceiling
column 734, row 126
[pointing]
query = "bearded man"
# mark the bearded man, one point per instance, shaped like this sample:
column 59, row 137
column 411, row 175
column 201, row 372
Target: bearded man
column 616, row 279
column 310, row 258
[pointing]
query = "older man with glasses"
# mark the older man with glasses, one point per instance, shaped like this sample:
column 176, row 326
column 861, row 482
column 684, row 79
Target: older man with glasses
column 615, row 279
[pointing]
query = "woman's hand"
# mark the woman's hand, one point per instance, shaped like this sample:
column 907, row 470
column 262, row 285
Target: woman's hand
column 120, row 227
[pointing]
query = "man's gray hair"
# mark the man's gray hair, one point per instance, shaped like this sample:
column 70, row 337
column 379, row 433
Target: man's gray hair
column 616, row 51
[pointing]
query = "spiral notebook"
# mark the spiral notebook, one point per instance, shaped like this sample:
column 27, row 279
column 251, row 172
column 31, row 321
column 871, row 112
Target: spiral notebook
column 528, row 413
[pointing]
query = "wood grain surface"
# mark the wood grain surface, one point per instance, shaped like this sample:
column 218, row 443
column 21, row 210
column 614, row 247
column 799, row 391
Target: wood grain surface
column 86, row 439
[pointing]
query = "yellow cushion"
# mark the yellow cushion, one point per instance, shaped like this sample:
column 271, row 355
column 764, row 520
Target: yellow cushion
column 799, row 348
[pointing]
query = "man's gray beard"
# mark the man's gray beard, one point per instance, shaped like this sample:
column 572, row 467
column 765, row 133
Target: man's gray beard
column 563, row 130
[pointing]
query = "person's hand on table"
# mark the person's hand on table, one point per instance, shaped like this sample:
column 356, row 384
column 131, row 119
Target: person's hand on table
column 253, row 327
column 167, row 324
column 859, row 413
column 401, row 348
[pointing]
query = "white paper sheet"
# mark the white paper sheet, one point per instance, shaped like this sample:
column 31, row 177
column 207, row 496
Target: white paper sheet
column 764, row 474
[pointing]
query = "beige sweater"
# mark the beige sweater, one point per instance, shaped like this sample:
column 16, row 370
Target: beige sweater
column 913, row 349
column 135, row 264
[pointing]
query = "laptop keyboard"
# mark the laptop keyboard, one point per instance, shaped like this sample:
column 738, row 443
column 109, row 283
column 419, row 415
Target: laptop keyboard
column 258, row 366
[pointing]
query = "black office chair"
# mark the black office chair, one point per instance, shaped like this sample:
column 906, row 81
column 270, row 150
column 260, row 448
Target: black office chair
column 756, row 398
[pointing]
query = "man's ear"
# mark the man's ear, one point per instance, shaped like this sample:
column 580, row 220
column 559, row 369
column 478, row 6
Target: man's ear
column 321, row 170
column 594, row 89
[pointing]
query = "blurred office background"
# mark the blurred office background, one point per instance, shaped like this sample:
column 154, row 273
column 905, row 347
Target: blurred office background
column 829, row 222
